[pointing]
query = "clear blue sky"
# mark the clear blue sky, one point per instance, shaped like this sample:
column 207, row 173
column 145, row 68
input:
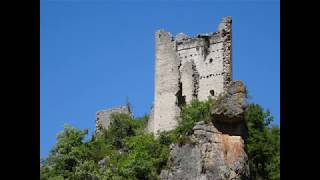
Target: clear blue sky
column 95, row 53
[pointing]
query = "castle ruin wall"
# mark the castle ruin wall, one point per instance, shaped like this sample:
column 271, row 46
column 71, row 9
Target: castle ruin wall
column 189, row 68
column 167, row 80
column 103, row 117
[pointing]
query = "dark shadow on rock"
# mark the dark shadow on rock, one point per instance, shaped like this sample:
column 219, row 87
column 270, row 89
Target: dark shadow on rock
column 234, row 129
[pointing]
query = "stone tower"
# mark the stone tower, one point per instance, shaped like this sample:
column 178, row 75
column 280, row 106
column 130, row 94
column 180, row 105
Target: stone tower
column 189, row 68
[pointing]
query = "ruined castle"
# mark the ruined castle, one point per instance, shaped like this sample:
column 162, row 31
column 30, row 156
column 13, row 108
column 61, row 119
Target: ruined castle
column 198, row 67
column 186, row 68
column 189, row 68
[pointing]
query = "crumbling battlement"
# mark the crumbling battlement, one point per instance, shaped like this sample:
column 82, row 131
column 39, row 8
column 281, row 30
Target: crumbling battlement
column 189, row 68
column 103, row 117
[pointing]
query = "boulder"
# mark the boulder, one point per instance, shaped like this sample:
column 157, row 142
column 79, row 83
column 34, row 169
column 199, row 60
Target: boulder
column 230, row 106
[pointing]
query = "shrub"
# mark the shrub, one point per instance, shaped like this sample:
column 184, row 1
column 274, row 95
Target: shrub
column 192, row 113
column 121, row 126
column 184, row 140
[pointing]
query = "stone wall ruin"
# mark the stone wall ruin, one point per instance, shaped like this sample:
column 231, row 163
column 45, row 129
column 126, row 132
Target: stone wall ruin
column 103, row 117
column 189, row 68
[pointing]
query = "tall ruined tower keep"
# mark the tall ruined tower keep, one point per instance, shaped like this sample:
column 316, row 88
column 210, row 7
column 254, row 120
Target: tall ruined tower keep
column 189, row 68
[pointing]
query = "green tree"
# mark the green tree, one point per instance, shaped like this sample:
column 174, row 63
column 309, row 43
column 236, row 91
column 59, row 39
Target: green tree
column 86, row 170
column 146, row 157
column 121, row 126
column 66, row 153
column 263, row 143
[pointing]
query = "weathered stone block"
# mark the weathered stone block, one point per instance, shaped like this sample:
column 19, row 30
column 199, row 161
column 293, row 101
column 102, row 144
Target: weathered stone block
column 230, row 106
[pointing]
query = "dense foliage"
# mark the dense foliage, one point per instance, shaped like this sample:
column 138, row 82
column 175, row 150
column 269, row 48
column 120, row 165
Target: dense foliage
column 263, row 144
column 192, row 113
column 125, row 151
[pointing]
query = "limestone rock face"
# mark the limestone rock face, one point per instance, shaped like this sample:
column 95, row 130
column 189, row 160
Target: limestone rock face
column 213, row 156
column 217, row 151
column 230, row 106
column 185, row 162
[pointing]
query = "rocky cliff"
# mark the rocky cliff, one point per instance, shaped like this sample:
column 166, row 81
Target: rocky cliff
column 217, row 148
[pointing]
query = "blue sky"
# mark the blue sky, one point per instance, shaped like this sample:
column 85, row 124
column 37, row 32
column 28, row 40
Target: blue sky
column 94, row 54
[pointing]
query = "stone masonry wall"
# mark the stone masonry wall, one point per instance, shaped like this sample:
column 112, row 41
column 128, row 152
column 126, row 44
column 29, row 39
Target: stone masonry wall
column 103, row 117
column 225, row 30
column 189, row 68
column 167, row 80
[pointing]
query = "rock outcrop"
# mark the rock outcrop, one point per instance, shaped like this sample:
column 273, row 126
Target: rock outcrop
column 217, row 151
column 230, row 106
